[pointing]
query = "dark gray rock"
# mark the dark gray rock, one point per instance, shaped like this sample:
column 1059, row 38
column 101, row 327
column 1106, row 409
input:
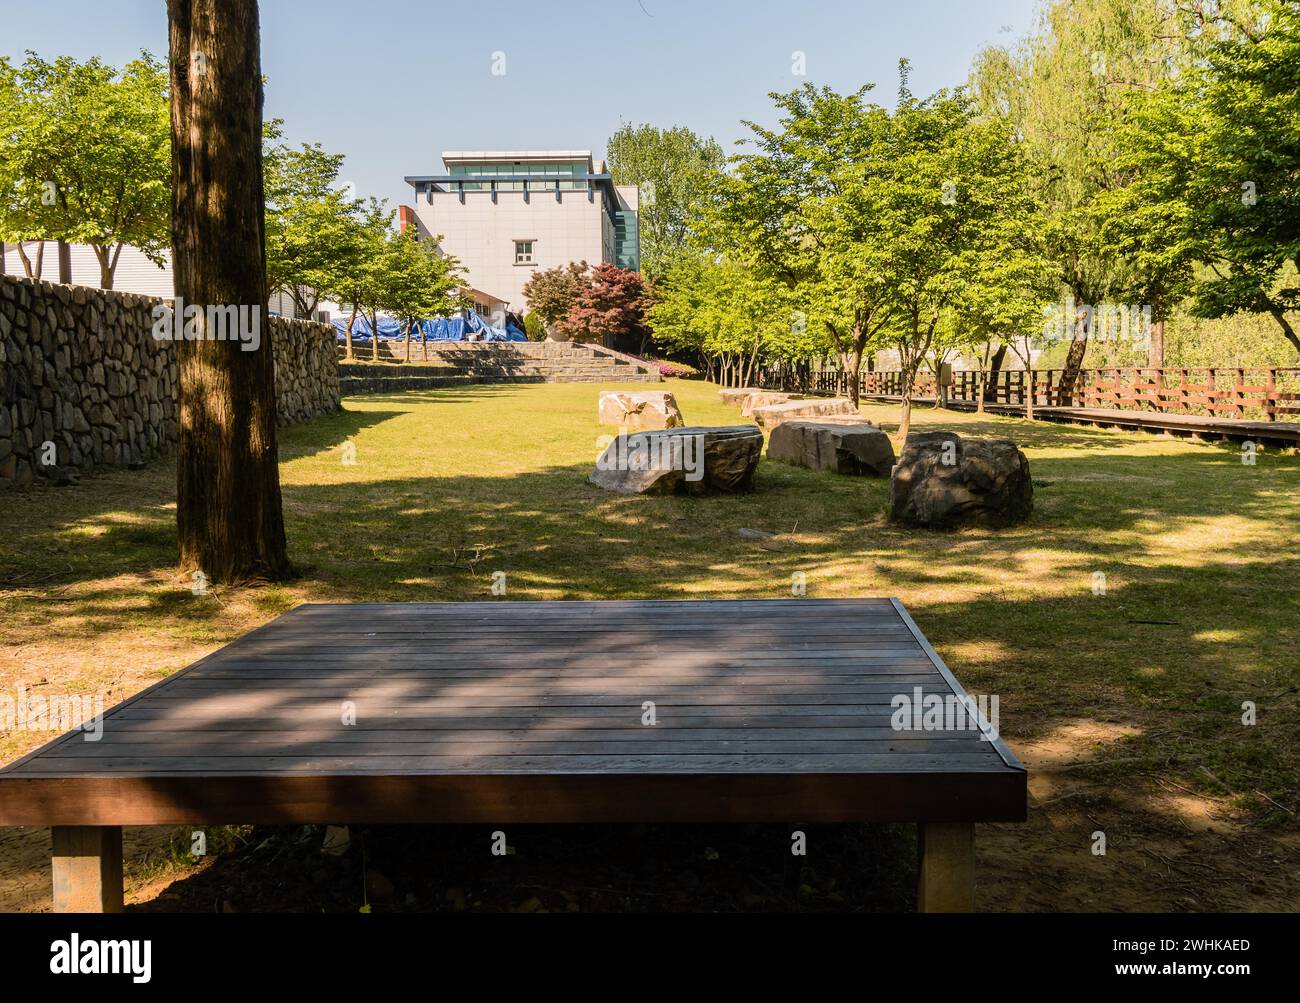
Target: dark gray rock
column 942, row 480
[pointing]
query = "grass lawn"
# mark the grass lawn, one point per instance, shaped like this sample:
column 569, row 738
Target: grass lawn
column 1126, row 706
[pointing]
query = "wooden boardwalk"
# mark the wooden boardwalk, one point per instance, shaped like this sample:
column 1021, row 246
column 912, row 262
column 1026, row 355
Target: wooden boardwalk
column 1199, row 427
column 500, row 712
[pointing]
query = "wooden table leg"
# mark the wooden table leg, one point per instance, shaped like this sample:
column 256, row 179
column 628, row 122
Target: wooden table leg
column 87, row 868
column 945, row 867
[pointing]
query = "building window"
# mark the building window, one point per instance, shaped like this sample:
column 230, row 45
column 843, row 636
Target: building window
column 523, row 252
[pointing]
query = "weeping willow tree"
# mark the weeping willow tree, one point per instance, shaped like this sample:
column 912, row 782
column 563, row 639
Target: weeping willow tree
column 1067, row 89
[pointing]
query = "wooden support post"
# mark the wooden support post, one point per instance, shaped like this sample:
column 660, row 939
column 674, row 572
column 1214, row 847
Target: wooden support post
column 945, row 867
column 87, row 868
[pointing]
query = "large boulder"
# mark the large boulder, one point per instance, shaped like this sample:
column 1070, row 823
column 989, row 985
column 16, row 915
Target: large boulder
column 734, row 396
column 839, row 445
column 943, row 480
column 680, row 461
column 816, row 407
column 765, row 398
column 639, row 410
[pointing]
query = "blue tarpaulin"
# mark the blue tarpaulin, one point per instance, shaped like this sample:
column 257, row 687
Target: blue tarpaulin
column 440, row 329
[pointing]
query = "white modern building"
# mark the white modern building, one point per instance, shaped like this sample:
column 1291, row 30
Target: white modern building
column 505, row 214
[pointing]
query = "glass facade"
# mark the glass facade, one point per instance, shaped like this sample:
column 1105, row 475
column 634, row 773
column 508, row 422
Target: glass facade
column 545, row 173
column 627, row 242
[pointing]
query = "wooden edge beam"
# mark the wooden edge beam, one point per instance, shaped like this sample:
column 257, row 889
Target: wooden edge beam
column 87, row 868
column 945, row 867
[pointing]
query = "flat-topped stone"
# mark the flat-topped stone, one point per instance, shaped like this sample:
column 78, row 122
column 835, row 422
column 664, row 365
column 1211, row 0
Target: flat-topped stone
column 816, row 407
column 943, row 480
column 765, row 398
column 641, row 410
column 693, row 460
column 736, row 395
column 839, row 445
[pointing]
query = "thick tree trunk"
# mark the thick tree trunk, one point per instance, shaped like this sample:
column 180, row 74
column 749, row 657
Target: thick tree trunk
column 65, row 264
column 229, row 520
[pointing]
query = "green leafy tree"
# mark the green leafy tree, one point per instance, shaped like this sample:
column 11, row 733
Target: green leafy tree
column 952, row 186
column 731, row 314
column 416, row 282
column 23, row 216
column 1215, row 161
column 677, row 319
column 805, row 208
column 308, row 219
column 1002, row 305
column 672, row 168
column 86, row 157
column 359, row 280
column 1064, row 91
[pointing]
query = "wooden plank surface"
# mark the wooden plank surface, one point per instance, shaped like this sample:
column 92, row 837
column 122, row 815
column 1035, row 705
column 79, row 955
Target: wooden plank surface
column 516, row 711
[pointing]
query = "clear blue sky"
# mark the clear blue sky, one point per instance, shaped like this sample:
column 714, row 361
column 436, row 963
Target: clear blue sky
column 393, row 83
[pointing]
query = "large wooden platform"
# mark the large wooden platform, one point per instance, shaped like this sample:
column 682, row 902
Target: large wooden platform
column 764, row 711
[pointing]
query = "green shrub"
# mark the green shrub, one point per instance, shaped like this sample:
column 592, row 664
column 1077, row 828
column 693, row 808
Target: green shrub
column 535, row 327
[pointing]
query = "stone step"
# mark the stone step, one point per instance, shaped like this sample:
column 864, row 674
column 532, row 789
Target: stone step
column 464, row 363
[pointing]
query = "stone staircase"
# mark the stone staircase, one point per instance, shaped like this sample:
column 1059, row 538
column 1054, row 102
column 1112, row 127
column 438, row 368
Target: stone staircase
column 452, row 364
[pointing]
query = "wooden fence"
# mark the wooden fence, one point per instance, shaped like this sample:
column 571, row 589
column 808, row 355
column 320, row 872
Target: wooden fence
column 1240, row 393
